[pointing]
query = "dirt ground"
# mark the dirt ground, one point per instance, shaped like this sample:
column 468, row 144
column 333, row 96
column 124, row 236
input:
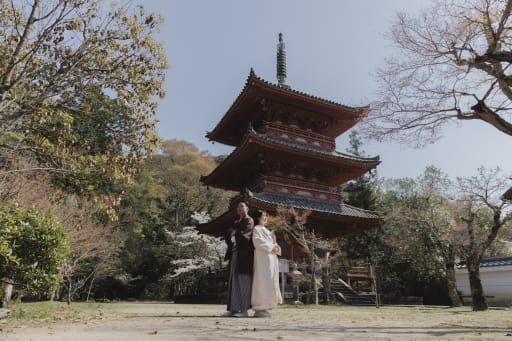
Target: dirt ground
column 167, row 321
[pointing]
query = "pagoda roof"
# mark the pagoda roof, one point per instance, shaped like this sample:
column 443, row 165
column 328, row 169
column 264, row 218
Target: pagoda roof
column 328, row 218
column 245, row 110
column 255, row 141
column 217, row 226
column 319, row 206
column 316, row 149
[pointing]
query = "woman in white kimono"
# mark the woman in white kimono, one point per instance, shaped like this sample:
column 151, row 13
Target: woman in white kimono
column 265, row 283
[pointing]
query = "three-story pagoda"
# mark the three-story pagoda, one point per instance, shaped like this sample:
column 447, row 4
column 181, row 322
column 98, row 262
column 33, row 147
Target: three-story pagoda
column 285, row 155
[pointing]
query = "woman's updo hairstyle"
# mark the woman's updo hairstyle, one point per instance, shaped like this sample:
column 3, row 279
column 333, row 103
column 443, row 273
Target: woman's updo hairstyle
column 257, row 216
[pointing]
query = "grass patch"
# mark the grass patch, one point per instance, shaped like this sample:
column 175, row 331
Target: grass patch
column 392, row 314
column 56, row 311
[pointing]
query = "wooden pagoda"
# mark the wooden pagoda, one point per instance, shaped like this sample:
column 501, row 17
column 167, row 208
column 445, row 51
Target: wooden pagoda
column 285, row 155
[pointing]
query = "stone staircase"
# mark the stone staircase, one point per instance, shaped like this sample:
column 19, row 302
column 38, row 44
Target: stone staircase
column 342, row 293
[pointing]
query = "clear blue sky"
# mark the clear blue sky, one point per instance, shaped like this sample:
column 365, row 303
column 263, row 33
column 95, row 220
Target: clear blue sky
column 333, row 47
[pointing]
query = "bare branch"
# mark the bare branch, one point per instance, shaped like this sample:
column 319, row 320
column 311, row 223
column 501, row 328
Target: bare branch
column 447, row 53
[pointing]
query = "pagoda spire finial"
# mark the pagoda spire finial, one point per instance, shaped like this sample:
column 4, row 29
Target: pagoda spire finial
column 281, row 63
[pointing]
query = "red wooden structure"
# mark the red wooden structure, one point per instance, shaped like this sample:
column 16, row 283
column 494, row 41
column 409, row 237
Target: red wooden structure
column 285, row 155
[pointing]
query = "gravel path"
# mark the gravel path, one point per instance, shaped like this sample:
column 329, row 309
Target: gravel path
column 163, row 321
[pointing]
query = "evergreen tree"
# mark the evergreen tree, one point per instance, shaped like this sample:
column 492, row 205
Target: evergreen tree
column 155, row 214
column 361, row 193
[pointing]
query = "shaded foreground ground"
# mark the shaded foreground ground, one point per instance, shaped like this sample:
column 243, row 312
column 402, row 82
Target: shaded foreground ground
column 165, row 321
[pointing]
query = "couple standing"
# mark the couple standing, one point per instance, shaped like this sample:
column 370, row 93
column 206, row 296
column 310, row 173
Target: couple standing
column 253, row 269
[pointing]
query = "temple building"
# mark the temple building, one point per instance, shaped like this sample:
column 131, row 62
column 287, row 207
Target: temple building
column 285, row 155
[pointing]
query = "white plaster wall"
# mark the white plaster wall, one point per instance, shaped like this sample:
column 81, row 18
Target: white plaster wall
column 496, row 280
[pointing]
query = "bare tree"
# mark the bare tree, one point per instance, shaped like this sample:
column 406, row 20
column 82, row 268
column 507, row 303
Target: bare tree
column 92, row 256
column 92, row 242
column 484, row 214
column 453, row 64
column 292, row 223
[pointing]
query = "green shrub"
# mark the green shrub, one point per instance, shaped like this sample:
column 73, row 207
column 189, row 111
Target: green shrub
column 33, row 247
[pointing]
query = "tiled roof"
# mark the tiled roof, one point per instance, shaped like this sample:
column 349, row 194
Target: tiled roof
column 313, row 205
column 361, row 164
column 493, row 261
column 252, row 74
column 496, row 261
column 312, row 148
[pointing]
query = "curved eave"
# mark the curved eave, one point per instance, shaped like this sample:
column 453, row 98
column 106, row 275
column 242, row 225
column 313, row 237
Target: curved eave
column 345, row 116
column 320, row 207
column 327, row 218
column 217, row 226
column 373, row 161
column 217, row 133
column 243, row 153
column 334, row 220
column 229, row 165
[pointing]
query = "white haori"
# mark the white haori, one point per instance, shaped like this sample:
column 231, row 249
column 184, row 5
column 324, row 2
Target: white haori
column 265, row 283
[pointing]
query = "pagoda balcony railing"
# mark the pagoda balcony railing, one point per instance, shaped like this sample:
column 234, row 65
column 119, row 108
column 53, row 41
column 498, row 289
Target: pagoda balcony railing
column 315, row 188
column 305, row 134
column 300, row 183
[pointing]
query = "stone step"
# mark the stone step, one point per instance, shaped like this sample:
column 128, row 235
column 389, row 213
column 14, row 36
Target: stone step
column 348, row 296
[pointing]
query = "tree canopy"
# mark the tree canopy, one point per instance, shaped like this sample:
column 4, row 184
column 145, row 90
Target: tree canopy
column 430, row 222
column 78, row 90
column 161, row 251
column 415, row 243
column 453, row 63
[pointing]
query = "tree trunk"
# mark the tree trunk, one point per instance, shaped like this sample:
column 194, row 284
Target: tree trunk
column 6, row 292
column 327, row 284
column 89, row 291
column 68, row 300
column 314, row 286
column 53, row 294
column 477, row 291
column 450, row 278
column 452, row 288
column 374, row 285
